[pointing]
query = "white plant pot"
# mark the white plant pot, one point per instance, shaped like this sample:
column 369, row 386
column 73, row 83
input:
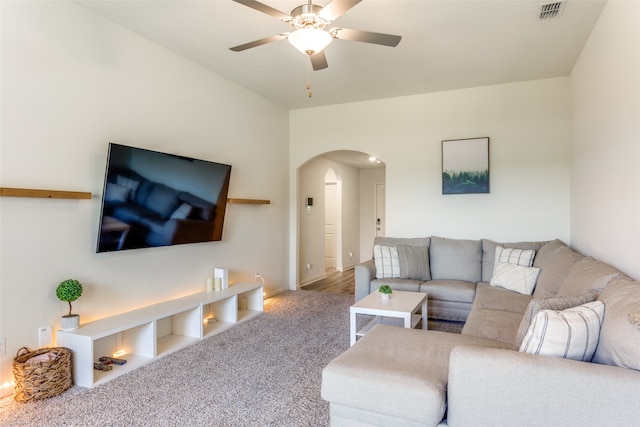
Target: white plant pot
column 385, row 297
column 70, row 322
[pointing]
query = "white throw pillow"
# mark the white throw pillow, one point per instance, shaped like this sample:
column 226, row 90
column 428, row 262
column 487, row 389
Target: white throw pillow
column 572, row 333
column 515, row 277
column 523, row 257
column 386, row 261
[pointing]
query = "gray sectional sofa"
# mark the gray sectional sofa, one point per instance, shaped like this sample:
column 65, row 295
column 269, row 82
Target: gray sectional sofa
column 498, row 372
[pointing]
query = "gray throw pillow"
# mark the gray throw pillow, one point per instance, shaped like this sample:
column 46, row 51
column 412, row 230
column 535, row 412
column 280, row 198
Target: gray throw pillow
column 414, row 262
column 553, row 303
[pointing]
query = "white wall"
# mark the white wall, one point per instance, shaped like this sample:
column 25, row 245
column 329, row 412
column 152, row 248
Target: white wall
column 311, row 221
column 529, row 127
column 71, row 83
column 605, row 200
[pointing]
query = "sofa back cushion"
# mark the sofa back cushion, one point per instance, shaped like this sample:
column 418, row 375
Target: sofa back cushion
column 456, row 259
column 546, row 253
column 162, row 200
column 489, row 252
column 619, row 343
column 555, row 272
column 587, row 273
column 409, row 241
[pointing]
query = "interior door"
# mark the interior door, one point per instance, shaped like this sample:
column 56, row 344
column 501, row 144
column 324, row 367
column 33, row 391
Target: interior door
column 380, row 209
column 330, row 196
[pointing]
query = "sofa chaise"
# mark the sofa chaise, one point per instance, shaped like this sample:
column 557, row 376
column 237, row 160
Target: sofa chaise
column 505, row 368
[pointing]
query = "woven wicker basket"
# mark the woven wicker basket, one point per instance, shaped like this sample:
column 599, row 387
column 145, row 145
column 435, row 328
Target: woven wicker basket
column 43, row 379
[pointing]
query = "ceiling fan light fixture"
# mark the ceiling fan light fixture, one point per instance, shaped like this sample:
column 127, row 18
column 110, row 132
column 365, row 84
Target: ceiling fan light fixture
column 310, row 40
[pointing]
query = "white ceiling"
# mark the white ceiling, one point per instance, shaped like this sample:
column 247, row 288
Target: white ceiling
column 446, row 45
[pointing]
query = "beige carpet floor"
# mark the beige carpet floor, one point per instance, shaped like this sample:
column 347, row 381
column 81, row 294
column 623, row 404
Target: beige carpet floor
column 263, row 372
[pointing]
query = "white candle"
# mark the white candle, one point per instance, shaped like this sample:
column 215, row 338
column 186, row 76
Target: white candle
column 210, row 284
column 218, row 284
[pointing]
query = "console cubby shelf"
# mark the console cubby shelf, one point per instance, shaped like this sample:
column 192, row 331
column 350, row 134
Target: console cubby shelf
column 157, row 330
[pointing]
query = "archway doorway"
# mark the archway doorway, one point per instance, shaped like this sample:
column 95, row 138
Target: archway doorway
column 336, row 214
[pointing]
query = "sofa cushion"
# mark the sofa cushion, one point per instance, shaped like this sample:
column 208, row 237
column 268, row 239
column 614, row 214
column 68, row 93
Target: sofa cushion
column 571, row 334
column 406, row 369
column 450, row 290
column 387, row 262
column 162, row 200
column 494, row 298
column 536, row 305
column 587, row 273
column 495, row 325
column 489, row 252
column 555, row 272
column 414, row 262
column 619, row 338
column 515, row 277
column 455, row 259
column 132, row 213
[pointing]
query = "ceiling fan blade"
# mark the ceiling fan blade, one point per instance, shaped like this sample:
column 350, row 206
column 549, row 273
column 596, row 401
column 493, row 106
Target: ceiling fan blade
column 257, row 43
column 365, row 36
column 319, row 61
column 337, row 8
column 261, row 7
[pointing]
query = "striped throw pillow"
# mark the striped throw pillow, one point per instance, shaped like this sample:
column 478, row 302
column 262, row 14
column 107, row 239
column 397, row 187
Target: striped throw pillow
column 523, row 257
column 571, row 334
column 386, row 261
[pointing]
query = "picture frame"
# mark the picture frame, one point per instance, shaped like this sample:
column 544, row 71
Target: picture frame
column 465, row 166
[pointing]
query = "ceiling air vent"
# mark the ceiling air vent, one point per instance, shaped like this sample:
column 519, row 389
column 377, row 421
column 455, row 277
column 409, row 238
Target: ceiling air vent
column 550, row 10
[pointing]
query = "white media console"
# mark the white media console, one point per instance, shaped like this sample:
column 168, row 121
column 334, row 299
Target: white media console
column 157, row 330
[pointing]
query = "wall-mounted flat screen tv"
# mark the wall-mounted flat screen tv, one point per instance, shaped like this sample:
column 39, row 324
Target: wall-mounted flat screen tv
column 155, row 199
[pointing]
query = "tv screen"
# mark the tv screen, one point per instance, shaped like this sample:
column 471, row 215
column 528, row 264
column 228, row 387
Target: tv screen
column 155, row 199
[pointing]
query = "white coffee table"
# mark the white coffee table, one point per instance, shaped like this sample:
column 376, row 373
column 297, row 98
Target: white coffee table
column 401, row 310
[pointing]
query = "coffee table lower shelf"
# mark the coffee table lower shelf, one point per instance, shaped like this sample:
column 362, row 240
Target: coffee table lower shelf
column 393, row 321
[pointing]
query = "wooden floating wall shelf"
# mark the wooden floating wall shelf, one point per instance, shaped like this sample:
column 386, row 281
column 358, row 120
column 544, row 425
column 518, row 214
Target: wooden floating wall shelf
column 249, row 201
column 57, row 194
column 44, row 194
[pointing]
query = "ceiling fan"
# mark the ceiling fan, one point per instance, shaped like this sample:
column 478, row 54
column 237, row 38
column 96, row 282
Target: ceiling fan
column 309, row 35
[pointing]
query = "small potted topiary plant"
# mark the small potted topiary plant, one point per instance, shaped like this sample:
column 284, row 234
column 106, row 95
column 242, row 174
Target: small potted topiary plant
column 68, row 291
column 385, row 291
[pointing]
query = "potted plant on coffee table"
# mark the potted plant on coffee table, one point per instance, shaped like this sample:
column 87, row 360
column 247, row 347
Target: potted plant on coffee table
column 69, row 290
column 385, row 291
